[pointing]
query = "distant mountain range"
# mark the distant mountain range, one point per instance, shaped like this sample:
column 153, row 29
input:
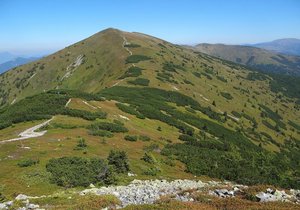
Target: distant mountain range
column 15, row 62
column 289, row 46
column 254, row 57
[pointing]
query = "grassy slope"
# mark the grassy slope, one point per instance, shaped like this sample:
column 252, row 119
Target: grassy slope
column 110, row 55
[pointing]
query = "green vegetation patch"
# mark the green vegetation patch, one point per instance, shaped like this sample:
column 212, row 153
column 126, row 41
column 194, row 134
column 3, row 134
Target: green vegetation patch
column 78, row 171
column 170, row 66
column 106, row 129
column 133, row 71
column 44, row 106
column 130, row 110
column 252, row 76
column 28, row 162
column 228, row 96
column 229, row 155
column 137, row 58
column 130, row 138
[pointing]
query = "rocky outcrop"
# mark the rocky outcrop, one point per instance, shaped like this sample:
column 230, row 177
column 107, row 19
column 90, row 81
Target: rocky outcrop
column 279, row 195
column 149, row 191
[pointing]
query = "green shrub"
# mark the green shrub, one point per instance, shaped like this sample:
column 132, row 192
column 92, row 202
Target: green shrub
column 130, row 110
column 170, row 66
column 101, row 133
column 144, row 138
column 81, row 144
column 148, row 158
column 28, row 162
column 132, row 45
column 197, row 74
column 188, row 138
column 112, row 127
column 252, row 76
column 136, row 58
column 133, row 71
column 226, row 95
column 130, row 138
column 44, row 106
column 188, row 82
column 77, row 171
column 119, row 160
column 153, row 171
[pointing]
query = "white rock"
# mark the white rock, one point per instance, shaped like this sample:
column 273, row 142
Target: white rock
column 265, row 197
column 92, row 186
column 33, row 206
column 21, row 197
column 9, row 203
column 2, row 206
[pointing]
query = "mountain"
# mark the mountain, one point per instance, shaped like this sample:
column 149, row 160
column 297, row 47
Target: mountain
column 286, row 46
column 6, row 56
column 254, row 57
column 15, row 62
column 120, row 106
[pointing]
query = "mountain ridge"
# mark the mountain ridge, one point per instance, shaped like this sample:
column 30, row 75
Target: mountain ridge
column 289, row 46
column 254, row 57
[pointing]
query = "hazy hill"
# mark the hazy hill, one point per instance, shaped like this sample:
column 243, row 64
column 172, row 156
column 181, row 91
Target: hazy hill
column 287, row 46
column 6, row 56
column 14, row 63
column 177, row 113
column 254, row 57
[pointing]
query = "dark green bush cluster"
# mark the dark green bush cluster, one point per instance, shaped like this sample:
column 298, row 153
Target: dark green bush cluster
column 197, row 74
column 136, row 58
column 132, row 45
column 28, row 162
column 81, row 144
column 130, row 138
column 232, row 156
column 148, row 158
column 170, row 66
column 44, row 106
column 139, row 81
column 226, row 95
column 144, row 138
column 106, row 129
column 288, row 85
column 267, row 112
column 119, row 160
column 256, row 76
column 185, row 137
column 133, row 71
column 78, row 171
column 188, row 82
column 130, row 110
column 153, row 171
column 165, row 76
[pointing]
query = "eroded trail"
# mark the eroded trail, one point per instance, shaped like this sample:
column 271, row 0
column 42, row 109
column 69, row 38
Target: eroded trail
column 29, row 133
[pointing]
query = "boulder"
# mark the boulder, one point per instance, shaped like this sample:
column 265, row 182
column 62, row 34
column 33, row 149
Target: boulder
column 21, row 197
column 266, row 197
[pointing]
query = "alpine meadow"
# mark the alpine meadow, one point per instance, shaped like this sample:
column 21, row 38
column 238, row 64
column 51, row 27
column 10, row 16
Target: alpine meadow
column 128, row 120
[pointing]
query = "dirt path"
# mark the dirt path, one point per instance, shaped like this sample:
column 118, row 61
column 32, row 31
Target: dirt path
column 29, row 133
column 125, row 42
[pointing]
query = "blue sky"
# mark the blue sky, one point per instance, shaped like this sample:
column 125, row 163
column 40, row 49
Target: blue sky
column 36, row 26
